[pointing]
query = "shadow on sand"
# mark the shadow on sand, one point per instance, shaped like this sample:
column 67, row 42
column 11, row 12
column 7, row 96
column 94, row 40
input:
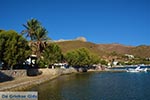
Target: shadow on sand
column 4, row 77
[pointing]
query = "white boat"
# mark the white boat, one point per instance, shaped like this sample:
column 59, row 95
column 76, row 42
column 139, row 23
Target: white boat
column 138, row 69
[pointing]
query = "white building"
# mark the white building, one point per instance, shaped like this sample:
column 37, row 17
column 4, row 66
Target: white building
column 129, row 56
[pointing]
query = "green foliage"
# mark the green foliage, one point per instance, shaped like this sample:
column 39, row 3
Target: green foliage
column 104, row 62
column 72, row 58
column 81, row 57
column 14, row 48
column 31, row 28
column 51, row 54
column 37, row 34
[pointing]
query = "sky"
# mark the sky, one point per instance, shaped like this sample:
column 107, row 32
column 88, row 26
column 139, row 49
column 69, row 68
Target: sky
column 100, row 21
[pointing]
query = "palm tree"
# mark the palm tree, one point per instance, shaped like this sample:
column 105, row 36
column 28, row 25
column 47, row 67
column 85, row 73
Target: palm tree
column 31, row 28
column 40, row 40
column 37, row 34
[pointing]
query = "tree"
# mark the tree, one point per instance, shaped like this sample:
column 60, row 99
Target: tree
column 81, row 57
column 37, row 34
column 72, row 58
column 51, row 54
column 104, row 62
column 31, row 28
column 39, row 42
column 14, row 48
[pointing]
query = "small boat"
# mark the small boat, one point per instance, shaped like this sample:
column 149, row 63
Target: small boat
column 138, row 69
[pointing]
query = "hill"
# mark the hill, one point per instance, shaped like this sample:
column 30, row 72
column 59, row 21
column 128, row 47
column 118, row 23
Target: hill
column 107, row 50
column 71, row 45
column 142, row 51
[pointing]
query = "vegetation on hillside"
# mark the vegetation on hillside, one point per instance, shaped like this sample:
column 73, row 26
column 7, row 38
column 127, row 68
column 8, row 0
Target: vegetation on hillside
column 111, row 52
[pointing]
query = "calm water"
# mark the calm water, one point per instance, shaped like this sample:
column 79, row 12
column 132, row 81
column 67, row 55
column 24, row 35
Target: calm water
column 97, row 86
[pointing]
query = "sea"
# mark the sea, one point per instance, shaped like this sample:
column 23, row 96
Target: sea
column 96, row 86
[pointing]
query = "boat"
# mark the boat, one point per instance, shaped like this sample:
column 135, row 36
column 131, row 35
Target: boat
column 138, row 69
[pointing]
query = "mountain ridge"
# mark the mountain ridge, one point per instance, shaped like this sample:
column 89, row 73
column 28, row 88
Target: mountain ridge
column 141, row 51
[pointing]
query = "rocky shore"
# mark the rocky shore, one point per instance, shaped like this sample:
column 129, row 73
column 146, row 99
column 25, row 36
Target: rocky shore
column 21, row 83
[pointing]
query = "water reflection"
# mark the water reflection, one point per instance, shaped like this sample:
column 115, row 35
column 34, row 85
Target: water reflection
column 97, row 86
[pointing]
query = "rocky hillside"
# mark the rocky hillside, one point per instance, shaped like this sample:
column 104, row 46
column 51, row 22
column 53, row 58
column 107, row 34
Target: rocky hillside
column 105, row 50
column 71, row 45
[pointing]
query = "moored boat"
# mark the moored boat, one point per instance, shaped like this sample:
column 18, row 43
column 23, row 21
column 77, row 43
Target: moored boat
column 138, row 69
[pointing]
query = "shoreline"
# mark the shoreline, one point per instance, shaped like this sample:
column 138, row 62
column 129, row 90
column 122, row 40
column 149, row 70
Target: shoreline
column 20, row 84
column 23, row 83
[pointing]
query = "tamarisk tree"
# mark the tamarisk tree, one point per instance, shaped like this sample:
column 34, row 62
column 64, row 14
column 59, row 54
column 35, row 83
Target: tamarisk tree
column 81, row 57
column 14, row 48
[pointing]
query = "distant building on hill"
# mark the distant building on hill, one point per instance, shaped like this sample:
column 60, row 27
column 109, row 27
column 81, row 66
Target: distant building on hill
column 129, row 56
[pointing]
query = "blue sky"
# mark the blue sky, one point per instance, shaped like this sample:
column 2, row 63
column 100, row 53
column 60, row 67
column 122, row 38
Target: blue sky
column 100, row 21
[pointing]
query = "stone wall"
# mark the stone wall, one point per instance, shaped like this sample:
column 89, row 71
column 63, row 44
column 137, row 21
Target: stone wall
column 57, row 71
column 13, row 73
column 47, row 74
column 8, row 75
